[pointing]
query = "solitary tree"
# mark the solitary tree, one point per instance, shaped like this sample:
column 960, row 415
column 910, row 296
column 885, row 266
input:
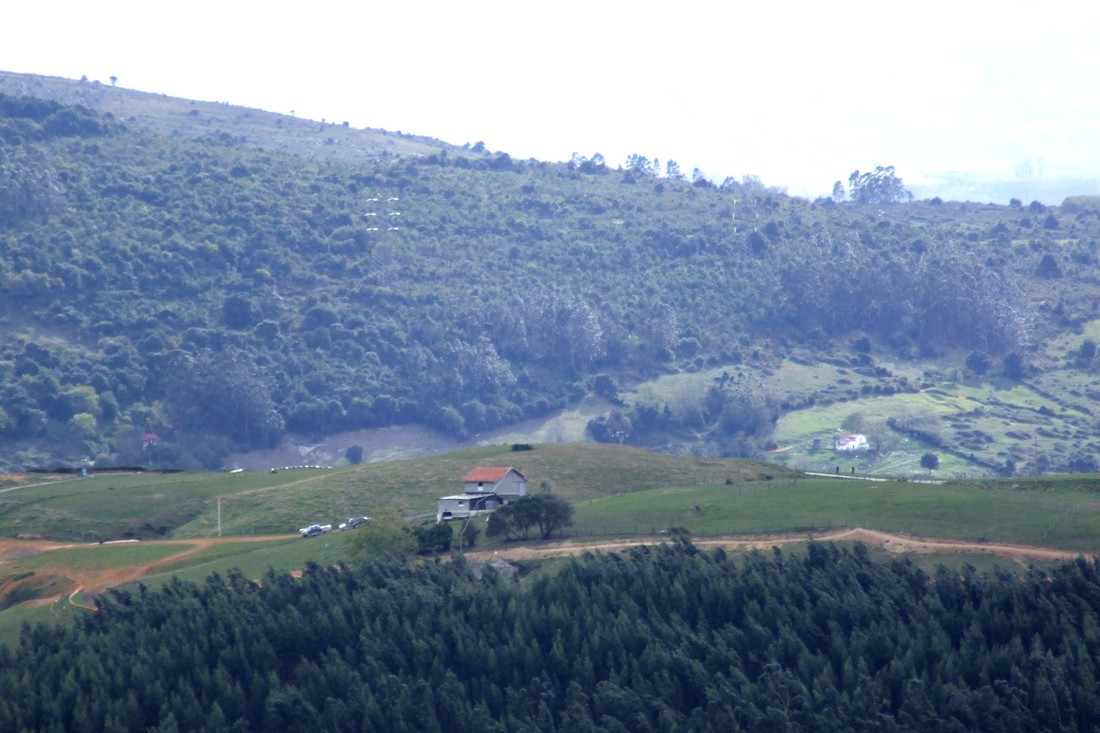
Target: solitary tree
column 1014, row 366
column 978, row 362
column 551, row 513
column 838, row 191
column 854, row 422
column 545, row 511
column 930, row 461
column 882, row 186
column 354, row 454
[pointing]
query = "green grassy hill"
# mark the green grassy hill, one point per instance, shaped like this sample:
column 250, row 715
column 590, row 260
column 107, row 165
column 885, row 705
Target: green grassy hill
column 50, row 529
column 185, row 505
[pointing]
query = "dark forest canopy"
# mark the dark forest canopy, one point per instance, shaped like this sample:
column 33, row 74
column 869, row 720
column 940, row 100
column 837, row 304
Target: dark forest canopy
column 664, row 638
column 219, row 295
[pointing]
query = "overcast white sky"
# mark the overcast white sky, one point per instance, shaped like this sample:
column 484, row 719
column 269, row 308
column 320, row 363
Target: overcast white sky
column 798, row 93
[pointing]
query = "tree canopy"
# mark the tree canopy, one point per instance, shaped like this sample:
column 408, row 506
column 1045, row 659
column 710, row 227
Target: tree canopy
column 881, row 186
column 545, row 512
column 221, row 295
column 657, row 638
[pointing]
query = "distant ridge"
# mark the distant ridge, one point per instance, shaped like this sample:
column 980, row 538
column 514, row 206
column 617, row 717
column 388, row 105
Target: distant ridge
column 167, row 115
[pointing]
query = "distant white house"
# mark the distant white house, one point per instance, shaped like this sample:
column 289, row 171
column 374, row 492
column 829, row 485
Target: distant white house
column 487, row 489
column 851, row 443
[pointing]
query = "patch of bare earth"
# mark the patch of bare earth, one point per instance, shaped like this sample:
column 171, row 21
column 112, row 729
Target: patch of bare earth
column 89, row 583
column 15, row 549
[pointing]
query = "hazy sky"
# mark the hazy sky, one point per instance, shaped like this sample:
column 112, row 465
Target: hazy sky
column 797, row 93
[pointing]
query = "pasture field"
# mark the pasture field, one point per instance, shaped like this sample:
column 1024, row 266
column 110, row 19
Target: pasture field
column 254, row 559
column 86, row 560
column 620, row 494
column 185, row 505
column 974, row 427
column 978, row 424
column 1066, row 518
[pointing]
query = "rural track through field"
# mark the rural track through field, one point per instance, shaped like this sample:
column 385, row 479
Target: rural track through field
column 92, row 582
column 894, row 543
column 97, row 581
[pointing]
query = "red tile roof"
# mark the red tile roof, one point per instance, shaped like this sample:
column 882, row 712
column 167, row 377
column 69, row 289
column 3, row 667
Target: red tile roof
column 487, row 474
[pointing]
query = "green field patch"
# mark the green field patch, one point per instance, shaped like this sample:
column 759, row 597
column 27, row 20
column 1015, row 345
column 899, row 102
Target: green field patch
column 215, row 554
column 1068, row 345
column 617, row 491
column 116, row 506
column 186, row 505
column 89, row 559
column 12, row 619
column 1063, row 519
column 973, row 429
column 682, row 393
column 412, row 487
column 254, row 560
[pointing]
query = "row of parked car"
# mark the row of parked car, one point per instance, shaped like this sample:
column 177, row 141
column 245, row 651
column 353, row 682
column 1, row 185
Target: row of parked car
column 318, row 529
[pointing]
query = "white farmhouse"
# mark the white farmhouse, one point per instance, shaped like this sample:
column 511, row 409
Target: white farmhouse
column 851, row 443
column 487, row 489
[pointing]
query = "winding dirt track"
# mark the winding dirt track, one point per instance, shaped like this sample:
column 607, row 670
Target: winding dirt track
column 891, row 542
column 91, row 582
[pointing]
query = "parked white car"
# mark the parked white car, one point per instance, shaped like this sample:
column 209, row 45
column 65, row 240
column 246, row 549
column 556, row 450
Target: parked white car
column 354, row 522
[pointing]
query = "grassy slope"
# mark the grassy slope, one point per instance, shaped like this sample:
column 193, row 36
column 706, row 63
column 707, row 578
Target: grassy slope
column 979, row 421
column 174, row 116
column 617, row 491
column 259, row 503
column 1067, row 517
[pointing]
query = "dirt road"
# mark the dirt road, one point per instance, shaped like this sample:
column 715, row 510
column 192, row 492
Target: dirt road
column 891, row 542
column 91, row 582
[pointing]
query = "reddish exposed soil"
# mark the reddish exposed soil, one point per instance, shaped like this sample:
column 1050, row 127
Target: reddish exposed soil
column 92, row 582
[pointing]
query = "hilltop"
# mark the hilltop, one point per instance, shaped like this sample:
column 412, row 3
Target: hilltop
column 181, row 281
column 167, row 116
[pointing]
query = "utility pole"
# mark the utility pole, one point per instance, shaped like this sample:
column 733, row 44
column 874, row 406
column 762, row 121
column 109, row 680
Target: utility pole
column 219, row 516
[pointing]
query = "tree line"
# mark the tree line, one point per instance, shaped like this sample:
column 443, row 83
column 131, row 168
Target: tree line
column 658, row 638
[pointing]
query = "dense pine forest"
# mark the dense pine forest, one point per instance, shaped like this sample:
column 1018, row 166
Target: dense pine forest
column 658, row 639
column 220, row 293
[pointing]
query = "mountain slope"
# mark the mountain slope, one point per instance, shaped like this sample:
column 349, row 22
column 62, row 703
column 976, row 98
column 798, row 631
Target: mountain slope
column 174, row 117
column 211, row 281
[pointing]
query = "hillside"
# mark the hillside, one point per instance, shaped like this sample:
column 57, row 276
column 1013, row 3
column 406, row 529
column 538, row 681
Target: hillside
column 760, row 572
column 166, row 116
column 221, row 278
column 65, row 537
column 185, row 505
column 668, row 638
